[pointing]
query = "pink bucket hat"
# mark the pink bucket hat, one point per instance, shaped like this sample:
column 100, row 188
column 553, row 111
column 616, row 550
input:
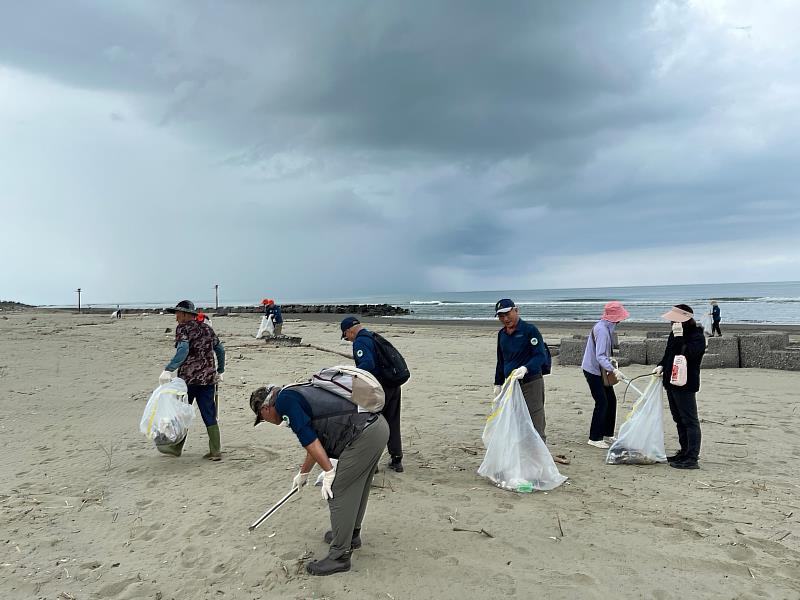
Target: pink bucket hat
column 615, row 312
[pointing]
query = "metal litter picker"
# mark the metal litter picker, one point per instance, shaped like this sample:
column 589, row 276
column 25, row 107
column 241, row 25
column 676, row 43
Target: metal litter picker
column 273, row 510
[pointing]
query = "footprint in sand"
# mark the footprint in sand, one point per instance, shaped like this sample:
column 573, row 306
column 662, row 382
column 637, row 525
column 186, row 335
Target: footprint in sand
column 504, row 583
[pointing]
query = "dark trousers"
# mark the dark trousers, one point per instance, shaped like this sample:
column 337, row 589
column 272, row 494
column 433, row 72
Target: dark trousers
column 204, row 394
column 715, row 329
column 683, row 406
column 533, row 392
column 604, row 417
column 391, row 412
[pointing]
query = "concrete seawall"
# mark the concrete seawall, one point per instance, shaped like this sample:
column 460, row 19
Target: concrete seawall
column 763, row 350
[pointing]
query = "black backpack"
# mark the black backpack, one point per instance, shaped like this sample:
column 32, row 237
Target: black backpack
column 392, row 367
column 548, row 365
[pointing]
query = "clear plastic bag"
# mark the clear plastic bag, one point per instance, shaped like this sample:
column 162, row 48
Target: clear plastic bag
column 167, row 416
column 516, row 457
column 267, row 326
column 641, row 437
column 706, row 323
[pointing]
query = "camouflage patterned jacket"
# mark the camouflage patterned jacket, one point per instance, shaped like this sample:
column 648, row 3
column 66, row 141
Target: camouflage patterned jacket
column 198, row 367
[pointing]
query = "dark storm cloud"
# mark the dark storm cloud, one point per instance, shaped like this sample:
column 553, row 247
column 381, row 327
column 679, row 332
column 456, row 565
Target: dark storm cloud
column 470, row 136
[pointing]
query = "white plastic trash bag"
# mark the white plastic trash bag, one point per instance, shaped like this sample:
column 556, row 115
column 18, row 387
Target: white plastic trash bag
column 641, row 436
column 516, row 457
column 167, row 416
column 267, row 326
column 705, row 323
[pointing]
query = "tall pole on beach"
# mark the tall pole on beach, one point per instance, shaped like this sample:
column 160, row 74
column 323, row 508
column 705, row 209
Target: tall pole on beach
column 216, row 296
column 79, row 299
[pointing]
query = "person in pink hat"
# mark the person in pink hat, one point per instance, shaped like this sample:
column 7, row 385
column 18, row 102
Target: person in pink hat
column 597, row 357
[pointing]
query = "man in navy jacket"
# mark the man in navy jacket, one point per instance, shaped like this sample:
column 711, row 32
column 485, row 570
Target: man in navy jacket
column 521, row 351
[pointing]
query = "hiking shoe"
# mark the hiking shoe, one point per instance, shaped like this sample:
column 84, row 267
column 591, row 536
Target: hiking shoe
column 684, row 464
column 329, row 566
column 598, row 444
column 678, row 456
column 396, row 465
column 355, row 543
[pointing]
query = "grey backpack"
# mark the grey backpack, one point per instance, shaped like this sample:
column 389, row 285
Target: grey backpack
column 351, row 383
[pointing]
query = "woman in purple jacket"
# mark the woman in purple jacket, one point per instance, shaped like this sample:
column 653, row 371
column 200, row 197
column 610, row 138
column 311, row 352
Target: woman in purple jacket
column 598, row 354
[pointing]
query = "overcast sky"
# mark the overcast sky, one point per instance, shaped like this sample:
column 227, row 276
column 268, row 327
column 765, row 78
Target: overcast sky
column 149, row 150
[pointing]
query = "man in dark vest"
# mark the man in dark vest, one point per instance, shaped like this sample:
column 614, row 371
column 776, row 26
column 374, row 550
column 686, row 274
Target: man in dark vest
column 345, row 442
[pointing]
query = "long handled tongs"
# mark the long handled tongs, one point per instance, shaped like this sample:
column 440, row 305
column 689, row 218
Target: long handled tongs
column 273, row 510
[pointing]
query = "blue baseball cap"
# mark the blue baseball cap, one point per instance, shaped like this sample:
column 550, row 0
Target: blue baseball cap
column 347, row 323
column 503, row 306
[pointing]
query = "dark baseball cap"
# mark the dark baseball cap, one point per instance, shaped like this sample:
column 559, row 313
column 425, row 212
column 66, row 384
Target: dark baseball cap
column 257, row 400
column 503, row 306
column 347, row 323
column 185, row 306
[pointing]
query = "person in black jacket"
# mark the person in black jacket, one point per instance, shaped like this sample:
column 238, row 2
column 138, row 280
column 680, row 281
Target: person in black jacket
column 716, row 318
column 687, row 339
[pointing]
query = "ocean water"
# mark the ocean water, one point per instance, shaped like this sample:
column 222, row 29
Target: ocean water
column 761, row 303
column 764, row 303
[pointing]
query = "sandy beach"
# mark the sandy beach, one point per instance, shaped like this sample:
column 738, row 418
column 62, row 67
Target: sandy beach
column 91, row 510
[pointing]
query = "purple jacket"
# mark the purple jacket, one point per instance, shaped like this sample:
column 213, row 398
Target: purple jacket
column 596, row 355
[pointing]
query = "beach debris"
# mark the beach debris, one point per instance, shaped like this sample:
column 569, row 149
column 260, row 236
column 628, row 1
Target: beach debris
column 109, row 452
column 561, row 459
column 65, row 596
column 473, row 450
column 321, row 349
column 732, row 443
column 560, row 528
column 168, row 330
column 480, row 531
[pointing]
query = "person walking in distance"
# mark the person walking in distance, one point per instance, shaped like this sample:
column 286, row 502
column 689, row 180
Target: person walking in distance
column 715, row 319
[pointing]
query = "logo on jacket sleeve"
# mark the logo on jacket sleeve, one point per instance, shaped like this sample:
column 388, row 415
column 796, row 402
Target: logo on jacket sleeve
column 359, row 353
column 534, row 341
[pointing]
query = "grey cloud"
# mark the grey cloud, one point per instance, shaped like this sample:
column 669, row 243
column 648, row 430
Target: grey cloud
column 415, row 136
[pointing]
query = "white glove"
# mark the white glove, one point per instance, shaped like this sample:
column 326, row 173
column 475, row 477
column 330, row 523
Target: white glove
column 677, row 329
column 300, row 480
column 658, row 370
column 219, row 378
column 496, row 390
column 327, row 483
column 520, row 373
column 165, row 377
column 618, row 374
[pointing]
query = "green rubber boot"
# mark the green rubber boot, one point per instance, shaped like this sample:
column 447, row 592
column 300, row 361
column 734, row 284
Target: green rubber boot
column 214, row 446
column 172, row 449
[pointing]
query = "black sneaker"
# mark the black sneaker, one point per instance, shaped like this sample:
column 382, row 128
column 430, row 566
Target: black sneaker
column 684, row 464
column 329, row 566
column 355, row 543
column 678, row 456
column 396, row 465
